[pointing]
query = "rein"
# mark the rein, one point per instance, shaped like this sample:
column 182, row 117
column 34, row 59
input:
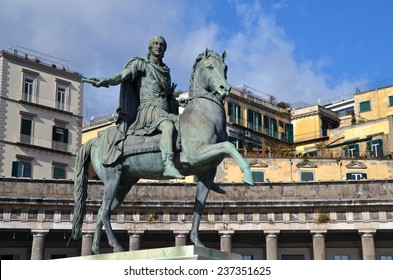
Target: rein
column 214, row 97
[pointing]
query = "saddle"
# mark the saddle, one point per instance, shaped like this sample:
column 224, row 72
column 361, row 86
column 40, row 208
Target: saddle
column 112, row 144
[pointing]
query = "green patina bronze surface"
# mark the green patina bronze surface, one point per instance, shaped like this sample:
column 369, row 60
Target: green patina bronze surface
column 142, row 145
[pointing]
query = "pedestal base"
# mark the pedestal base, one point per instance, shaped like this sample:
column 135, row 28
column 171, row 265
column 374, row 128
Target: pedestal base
column 190, row 252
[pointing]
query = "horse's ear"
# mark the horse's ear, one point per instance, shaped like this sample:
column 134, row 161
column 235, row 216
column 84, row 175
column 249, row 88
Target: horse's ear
column 224, row 55
column 206, row 52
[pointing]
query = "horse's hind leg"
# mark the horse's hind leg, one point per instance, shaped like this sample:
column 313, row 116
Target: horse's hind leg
column 204, row 185
column 111, row 187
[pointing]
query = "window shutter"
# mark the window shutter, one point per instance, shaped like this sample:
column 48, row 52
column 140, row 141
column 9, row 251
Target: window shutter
column 54, row 133
column 15, row 165
column 259, row 122
column 65, row 135
column 290, row 133
column 380, row 147
column 349, row 176
column 249, row 119
column 230, row 109
column 357, row 153
column 27, row 169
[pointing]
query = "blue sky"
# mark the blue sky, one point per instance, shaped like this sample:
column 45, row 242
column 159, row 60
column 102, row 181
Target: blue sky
column 295, row 50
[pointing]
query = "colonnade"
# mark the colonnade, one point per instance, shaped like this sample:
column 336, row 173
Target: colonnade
column 271, row 238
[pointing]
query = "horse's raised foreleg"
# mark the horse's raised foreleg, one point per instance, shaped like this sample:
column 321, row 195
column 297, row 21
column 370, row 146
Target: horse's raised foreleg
column 203, row 187
column 205, row 153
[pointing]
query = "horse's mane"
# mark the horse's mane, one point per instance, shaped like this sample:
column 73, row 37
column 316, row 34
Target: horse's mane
column 194, row 67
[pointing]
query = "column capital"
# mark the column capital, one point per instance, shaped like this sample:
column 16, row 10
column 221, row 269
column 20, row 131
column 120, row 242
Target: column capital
column 181, row 232
column 135, row 232
column 39, row 232
column 367, row 232
column 317, row 233
column 87, row 233
column 271, row 233
column 226, row 233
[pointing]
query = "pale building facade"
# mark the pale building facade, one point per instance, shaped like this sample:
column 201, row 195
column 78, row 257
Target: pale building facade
column 288, row 220
column 40, row 115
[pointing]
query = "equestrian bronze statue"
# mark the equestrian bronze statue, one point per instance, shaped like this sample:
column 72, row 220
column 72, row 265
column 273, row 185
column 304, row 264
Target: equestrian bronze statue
column 198, row 147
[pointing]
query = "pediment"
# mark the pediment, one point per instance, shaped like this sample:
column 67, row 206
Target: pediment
column 306, row 164
column 356, row 165
column 257, row 163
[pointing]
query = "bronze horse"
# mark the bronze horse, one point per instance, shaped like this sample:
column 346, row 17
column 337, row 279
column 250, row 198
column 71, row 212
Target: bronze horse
column 204, row 145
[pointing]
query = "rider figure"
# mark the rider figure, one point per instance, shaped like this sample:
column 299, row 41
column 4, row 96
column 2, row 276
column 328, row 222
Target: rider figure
column 145, row 99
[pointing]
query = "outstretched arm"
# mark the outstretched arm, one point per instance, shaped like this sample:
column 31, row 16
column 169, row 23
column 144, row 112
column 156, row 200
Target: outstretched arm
column 111, row 81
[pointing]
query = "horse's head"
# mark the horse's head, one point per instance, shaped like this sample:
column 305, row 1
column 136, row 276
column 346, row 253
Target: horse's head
column 210, row 74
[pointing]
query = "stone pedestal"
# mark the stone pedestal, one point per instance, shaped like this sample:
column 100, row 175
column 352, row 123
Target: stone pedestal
column 189, row 252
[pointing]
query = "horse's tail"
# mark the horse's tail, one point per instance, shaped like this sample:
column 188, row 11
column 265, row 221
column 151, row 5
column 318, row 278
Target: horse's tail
column 80, row 187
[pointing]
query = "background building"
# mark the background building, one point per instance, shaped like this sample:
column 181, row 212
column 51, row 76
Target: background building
column 286, row 220
column 41, row 105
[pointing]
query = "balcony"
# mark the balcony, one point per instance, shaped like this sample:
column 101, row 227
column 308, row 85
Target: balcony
column 60, row 146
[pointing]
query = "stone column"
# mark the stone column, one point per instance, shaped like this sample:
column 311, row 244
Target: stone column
column 180, row 238
column 135, row 240
column 87, row 242
column 226, row 241
column 37, row 250
column 318, row 243
column 271, row 245
column 368, row 246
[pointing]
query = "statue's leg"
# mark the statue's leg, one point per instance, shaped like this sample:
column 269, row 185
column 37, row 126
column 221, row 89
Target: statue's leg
column 204, row 184
column 166, row 146
column 205, row 153
column 111, row 183
column 124, row 188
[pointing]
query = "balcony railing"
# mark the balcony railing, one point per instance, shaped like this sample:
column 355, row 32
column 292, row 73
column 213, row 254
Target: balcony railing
column 60, row 146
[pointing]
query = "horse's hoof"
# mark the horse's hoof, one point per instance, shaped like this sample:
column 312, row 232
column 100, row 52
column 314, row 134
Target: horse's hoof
column 95, row 251
column 247, row 178
column 217, row 189
column 118, row 249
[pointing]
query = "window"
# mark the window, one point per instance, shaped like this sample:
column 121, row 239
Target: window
column 25, row 130
column 258, row 176
column 234, row 113
column 306, row 176
column 61, row 98
column 21, row 169
column 270, row 126
column 352, row 150
column 356, row 176
column 390, row 101
column 340, row 257
column 60, row 138
column 293, row 257
column 28, row 89
column 364, row 106
column 386, row 258
column 375, row 147
column 59, row 172
column 248, row 258
column 254, row 120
